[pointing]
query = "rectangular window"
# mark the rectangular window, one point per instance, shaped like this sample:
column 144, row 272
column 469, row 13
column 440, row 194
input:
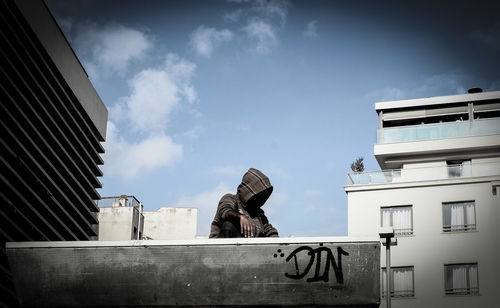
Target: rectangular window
column 398, row 217
column 401, row 282
column 461, row 279
column 459, row 168
column 459, row 216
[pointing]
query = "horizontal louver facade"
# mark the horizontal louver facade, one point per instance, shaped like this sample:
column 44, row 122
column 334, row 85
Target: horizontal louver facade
column 49, row 146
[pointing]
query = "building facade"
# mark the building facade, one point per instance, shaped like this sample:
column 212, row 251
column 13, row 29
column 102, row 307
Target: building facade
column 52, row 125
column 171, row 223
column 120, row 218
column 123, row 218
column 439, row 188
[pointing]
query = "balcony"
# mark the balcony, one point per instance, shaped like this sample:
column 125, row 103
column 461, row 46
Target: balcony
column 423, row 174
column 478, row 127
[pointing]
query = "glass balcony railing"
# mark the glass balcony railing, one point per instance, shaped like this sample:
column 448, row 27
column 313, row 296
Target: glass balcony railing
column 424, row 174
column 478, row 127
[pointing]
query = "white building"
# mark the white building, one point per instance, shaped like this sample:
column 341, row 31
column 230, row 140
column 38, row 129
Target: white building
column 120, row 218
column 171, row 223
column 123, row 218
column 439, row 189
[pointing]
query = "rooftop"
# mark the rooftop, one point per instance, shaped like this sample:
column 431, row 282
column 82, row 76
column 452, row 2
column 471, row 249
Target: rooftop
column 437, row 100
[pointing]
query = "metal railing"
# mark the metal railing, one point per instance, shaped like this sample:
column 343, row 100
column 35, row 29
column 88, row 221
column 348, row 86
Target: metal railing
column 423, row 173
column 465, row 227
column 124, row 200
column 406, row 231
column 478, row 127
column 400, row 293
column 462, row 291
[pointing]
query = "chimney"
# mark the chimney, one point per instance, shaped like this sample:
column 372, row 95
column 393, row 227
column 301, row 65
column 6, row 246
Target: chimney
column 474, row 90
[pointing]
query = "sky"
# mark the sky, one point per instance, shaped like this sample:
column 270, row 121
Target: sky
column 200, row 91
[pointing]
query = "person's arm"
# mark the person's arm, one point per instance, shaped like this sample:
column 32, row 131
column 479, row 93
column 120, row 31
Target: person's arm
column 269, row 230
column 247, row 227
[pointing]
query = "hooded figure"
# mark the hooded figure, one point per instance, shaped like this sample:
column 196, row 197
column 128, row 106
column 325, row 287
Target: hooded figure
column 241, row 214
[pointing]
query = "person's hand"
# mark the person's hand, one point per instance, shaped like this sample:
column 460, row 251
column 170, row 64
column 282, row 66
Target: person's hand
column 247, row 227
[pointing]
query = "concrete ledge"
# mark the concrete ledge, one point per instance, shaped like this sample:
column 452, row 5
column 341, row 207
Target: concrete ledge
column 409, row 184
column 228, row 241
column 324, row 271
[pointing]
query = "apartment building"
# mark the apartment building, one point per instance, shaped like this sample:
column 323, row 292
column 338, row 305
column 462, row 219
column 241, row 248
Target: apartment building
column 439, row 188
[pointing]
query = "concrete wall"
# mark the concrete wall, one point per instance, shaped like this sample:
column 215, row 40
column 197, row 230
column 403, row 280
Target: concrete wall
column 171, row 223
column 117, row 223
column 429, row 248
column 300, row 272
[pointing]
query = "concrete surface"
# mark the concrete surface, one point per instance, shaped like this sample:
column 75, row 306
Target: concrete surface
column 330, row 271
column 120, row 223
column 171, row 223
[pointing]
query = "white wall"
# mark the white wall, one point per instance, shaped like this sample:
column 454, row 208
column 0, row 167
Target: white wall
column 171, row 223
column 115, row 223
column 430, row 248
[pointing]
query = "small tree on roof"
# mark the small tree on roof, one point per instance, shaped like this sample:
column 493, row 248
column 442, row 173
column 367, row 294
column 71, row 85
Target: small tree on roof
column 358, row 165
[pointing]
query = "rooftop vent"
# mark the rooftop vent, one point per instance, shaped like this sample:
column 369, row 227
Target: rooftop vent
column 475, row 90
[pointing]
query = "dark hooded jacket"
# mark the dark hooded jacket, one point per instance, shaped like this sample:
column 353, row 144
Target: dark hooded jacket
column 253, row 183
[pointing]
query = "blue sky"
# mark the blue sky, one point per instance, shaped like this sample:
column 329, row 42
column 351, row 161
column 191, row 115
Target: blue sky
column 200, row 91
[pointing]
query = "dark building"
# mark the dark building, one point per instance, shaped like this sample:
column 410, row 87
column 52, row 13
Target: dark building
column 52, row 124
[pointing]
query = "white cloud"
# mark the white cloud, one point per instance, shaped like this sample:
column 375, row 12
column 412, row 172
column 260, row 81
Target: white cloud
column 234, row 16
column 127, row 160
column 204, row 40
column 311, row 30
column 194, row 133
column 110, row 47
column 153, row 96
column 272, row 9
column 263, row 33
column 206, row 202
column 263, row 21
column 155, row 93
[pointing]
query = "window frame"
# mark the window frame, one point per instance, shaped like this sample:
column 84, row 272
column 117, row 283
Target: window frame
column 393, row 293
column 465, row 227
column 459, row 168
column 396, row 232
column 469, row 291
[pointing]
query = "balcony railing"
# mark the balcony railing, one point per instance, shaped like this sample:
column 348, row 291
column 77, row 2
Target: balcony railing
column 478, row 127
column 424, row 173
column 462, row 291
column 118, row 200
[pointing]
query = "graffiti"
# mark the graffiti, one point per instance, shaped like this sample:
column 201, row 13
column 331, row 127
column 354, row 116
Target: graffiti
column 315, row 258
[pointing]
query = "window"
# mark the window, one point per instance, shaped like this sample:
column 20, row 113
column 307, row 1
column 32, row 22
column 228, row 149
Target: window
column 459, row 168
column 461, row 279
column 398, row 217
column 459, row 216
column 401, row 282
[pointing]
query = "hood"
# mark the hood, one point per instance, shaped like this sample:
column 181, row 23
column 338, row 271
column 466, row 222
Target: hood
column 254, row 182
